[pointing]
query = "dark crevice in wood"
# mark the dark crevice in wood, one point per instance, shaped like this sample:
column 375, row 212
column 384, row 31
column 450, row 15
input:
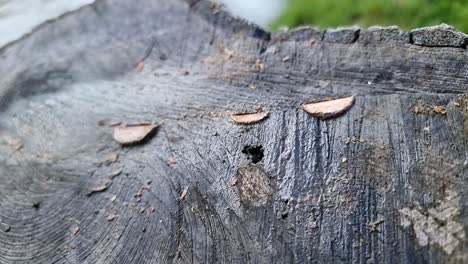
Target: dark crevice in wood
column 254, row 153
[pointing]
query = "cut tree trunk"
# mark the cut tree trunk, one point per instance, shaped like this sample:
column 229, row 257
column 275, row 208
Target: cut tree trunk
column 382, row 180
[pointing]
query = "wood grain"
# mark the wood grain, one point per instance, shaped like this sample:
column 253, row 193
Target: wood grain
column 379, row 184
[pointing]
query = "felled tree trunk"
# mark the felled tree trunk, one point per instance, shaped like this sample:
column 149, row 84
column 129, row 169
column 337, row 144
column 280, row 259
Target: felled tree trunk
column 384, row 181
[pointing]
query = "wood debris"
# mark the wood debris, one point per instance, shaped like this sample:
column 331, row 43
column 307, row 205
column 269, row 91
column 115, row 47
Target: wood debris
column 6, row 228
column 438, row 109
column 228, row 54
column 249, row 118
column 139, row 193
column 259, row 65
column 140, row 66
column 14, row 143
column 111, row 217
column 102, row 186
column 171, row 161
column 418, row 109
column 372, row 226
column 233, row 181
column 275, row 50
column 424, row 108
column 115, row 123
column 116, row 173
column 457, row 104
column 312, row 41
column 74, row 230
column 329, row 108
column 353, row 140
column 133, row 134
column 184, row 193
column 215, row 7
column 111, row 158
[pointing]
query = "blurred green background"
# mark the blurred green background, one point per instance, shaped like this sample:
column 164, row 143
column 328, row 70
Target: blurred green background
column 407, row 14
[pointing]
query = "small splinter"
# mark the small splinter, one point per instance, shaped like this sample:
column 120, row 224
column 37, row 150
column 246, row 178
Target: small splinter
column 75, row 230
column 228, row 54
column 111, row 217
column 13, row 142
column 330, row 108
column 233, row 181
column 249, row 118
column 438, row 109
column 184, row 193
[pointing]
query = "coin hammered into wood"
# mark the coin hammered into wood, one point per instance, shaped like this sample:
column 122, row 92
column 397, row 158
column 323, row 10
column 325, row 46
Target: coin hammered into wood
column 329, row 108
column 249, row 118
column 133, row 134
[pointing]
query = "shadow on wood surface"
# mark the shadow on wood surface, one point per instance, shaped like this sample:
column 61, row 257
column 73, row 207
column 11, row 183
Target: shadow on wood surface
column 384, row 182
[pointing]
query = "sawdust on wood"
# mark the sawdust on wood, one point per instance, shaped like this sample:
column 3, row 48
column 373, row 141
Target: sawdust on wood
column 255, row 185
column 438, row 109
column 424, row 108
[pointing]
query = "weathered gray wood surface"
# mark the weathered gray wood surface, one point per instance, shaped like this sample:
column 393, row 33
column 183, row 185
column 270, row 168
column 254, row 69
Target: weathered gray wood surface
column 384, row 183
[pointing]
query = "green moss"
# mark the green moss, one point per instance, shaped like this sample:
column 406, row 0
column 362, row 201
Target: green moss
column 407, row 14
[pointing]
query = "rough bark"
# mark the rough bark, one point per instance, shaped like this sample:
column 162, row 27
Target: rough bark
column 385, row 182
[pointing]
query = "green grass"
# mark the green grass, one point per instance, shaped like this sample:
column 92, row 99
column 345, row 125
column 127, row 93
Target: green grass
column 407, row 14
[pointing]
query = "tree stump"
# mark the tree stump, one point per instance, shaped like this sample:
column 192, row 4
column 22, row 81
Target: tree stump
column 384, row 181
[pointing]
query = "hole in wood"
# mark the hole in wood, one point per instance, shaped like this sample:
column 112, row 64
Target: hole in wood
column 254, row 153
